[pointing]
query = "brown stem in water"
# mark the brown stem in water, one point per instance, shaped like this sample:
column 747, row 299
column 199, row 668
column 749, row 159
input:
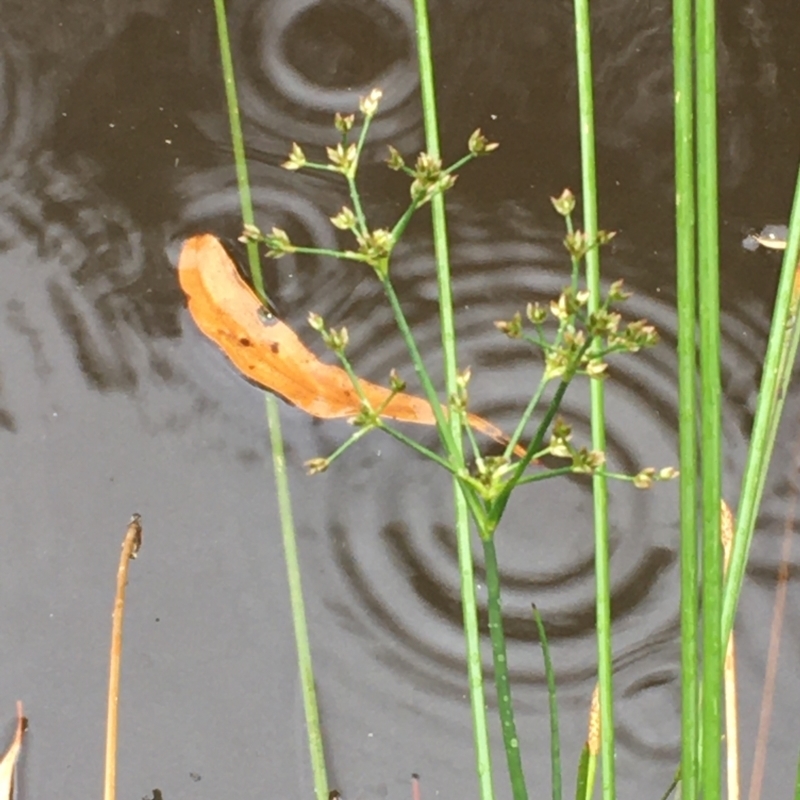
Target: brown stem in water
column 416, row 794
column 130, row 547
column 778, row 613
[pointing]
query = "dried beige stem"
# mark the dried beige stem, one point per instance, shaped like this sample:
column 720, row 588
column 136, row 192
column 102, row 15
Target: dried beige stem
column 8, row 764
column 727, row 527
column 130, row 547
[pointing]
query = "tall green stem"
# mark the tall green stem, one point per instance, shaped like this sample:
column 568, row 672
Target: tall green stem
column 276, row 437
column 468, row 598
column 711, row 450
column 599, row 481
column 237, row 139
column 687, row 366
column 304, row 661
column 778, row 362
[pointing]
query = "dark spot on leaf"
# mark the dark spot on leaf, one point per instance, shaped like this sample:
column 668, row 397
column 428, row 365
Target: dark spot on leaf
column 275, row 347
column 244, row 341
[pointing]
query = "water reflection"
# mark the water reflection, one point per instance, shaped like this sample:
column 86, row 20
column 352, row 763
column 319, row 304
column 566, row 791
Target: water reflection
column 387, row 564
column 115, row 154
column 300, row 62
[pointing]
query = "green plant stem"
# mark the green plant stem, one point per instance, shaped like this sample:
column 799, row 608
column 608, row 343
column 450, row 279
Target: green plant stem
column 711, row 440
column 497, row 508
column 345, row 446
column 687, row 361
column 797, row 782
column 237, row 139
column 505, row 705
column 298, row 606
column 525, row 418
column 321, row 251
column 402, row 223
column 426, row 383
column 780, row 356
column 585, row 782
column 351, row 181
column 599, row 483
column 468, row 597
column 305, row 666
column 545, row 474
column 555, row 737
column 415, row 445
column 445, row 432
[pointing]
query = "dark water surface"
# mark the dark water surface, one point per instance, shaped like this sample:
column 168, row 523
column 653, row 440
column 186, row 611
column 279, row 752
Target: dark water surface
column 114, row 146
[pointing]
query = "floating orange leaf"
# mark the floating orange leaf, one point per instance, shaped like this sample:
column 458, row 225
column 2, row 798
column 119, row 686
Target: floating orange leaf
column 9, row 762
column 271, row 355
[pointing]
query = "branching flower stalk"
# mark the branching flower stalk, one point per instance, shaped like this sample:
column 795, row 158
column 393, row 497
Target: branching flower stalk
column 572, row 339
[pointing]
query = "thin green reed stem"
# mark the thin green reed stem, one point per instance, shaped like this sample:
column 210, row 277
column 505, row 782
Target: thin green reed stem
column 502, row 682
column 428, row 388
column 599, row 481
column 711, row 442
column 687, row 366
column 797, row 782
column 468, row 598
column 555, row 736
column 304, row 661
column 237, row 139
column 305, row 667
column 777, row 368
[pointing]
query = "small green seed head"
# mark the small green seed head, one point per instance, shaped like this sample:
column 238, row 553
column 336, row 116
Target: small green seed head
column 369, row 104
column 345, row 220
column 316, row 465
column 564, row 204
column 297, row 158
column 395, row 160
column 479, row 145
column 343, row 122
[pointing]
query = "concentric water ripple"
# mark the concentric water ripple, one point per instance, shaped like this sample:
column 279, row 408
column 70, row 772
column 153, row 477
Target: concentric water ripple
column 389, row 567
column 18, row 109
column 304, row 60
column 279, row 200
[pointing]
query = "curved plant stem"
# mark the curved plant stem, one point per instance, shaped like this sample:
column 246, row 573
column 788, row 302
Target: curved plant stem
column 468, row 598
column 505, row 705
column 780, row 357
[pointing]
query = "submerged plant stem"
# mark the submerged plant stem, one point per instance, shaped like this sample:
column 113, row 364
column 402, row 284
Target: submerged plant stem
column 505, row 705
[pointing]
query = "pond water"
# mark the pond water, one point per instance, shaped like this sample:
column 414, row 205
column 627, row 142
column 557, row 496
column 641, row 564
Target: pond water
column 114, row 146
